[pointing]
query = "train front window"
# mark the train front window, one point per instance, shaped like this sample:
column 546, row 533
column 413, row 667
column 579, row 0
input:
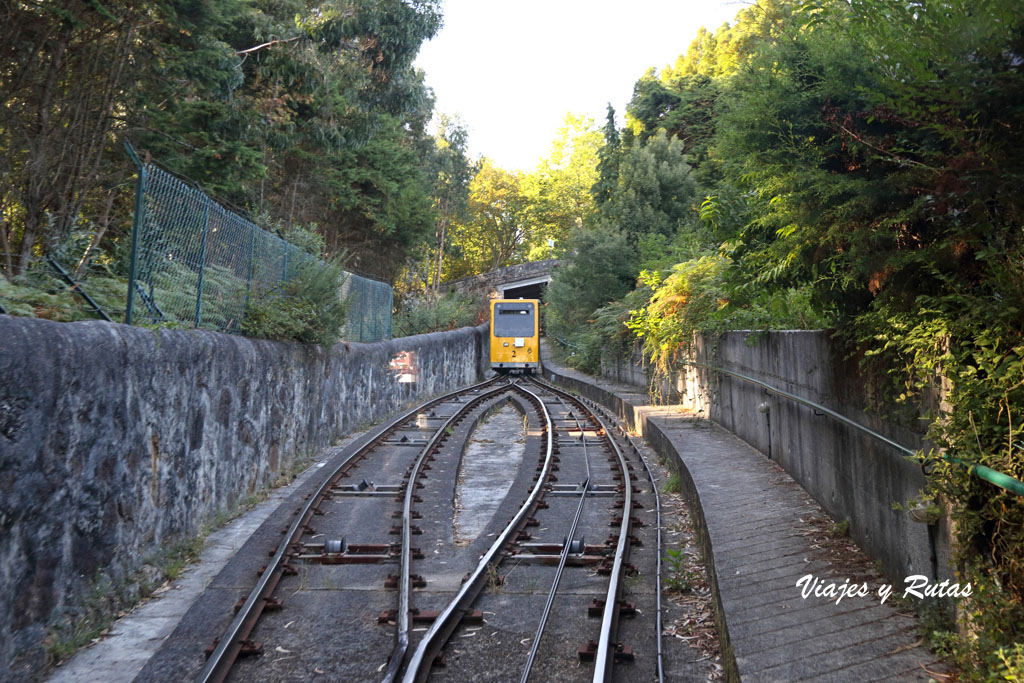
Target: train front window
column 513, row 320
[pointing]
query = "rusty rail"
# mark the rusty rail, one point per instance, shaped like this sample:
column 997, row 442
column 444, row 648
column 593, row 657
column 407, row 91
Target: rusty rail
column 609, row 620
column 435, row 638
column 397, row 657
column 231, row 643
column 562, row 558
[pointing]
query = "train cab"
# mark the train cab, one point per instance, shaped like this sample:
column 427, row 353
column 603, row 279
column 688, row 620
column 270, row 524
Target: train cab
column 515, row 336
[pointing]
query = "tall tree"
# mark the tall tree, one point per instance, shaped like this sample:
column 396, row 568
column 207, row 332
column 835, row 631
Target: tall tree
column 497, row 225
column 655, row 188
column 63, row 67
column 452, row 172
column 559, row 189
column 608, row 162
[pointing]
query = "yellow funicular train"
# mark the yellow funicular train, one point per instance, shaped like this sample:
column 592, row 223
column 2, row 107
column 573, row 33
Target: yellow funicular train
column 515, row 336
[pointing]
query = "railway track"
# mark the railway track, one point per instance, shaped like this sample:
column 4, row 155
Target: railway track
column 370, row 581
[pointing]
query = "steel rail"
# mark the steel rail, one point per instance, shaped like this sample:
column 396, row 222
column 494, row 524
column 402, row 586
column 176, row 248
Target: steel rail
column 563, row 556
column 657, row 509
column 402, row 619
column 609, row 620
column 434, row 639
column 228, row 648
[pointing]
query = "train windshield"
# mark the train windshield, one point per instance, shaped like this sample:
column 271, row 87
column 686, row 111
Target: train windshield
column 513, row 320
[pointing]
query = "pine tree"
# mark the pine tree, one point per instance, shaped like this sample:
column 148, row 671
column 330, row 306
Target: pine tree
column 608, row 163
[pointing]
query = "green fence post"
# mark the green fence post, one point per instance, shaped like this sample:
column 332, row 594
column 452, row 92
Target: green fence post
column 164, row 226
column 252, row 262
column 202, row 260
column 140, row 207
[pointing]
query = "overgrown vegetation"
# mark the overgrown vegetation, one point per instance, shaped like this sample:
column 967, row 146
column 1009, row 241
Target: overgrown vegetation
column 429, row 313
column 306, row 308
column 40, row 292
column 847, row 165
column 307, row 112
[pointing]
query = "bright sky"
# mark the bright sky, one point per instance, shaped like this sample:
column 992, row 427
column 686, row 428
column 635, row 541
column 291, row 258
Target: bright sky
column 512, row 69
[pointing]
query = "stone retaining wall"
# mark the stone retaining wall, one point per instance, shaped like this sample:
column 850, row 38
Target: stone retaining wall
column 116, row 440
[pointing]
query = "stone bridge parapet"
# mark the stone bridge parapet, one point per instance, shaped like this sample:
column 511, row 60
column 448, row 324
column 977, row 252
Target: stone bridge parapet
column 496, row 281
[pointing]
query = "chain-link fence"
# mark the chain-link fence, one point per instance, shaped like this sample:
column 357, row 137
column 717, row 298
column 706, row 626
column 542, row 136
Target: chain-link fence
column 197, row 263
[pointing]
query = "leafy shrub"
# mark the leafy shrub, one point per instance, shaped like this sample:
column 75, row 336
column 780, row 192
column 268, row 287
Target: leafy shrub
column 696, row 297
column 307, row 308
column 425, row 313
column 582, row 310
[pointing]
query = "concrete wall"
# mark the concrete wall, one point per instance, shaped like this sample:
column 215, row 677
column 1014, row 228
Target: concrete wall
column 853, row 476
column 629, row 369
column 115, row 440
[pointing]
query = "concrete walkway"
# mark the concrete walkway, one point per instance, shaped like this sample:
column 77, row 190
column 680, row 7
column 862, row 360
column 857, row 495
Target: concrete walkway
column 761, row 533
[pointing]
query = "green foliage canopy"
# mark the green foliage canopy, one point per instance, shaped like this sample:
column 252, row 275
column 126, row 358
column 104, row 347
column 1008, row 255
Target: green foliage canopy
column 860, row 164
column 308, row 112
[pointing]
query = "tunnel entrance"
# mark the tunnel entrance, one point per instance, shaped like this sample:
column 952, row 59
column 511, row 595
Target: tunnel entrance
column 531, row 291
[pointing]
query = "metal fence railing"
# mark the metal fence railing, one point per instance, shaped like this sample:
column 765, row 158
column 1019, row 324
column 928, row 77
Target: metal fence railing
column 196, row 263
